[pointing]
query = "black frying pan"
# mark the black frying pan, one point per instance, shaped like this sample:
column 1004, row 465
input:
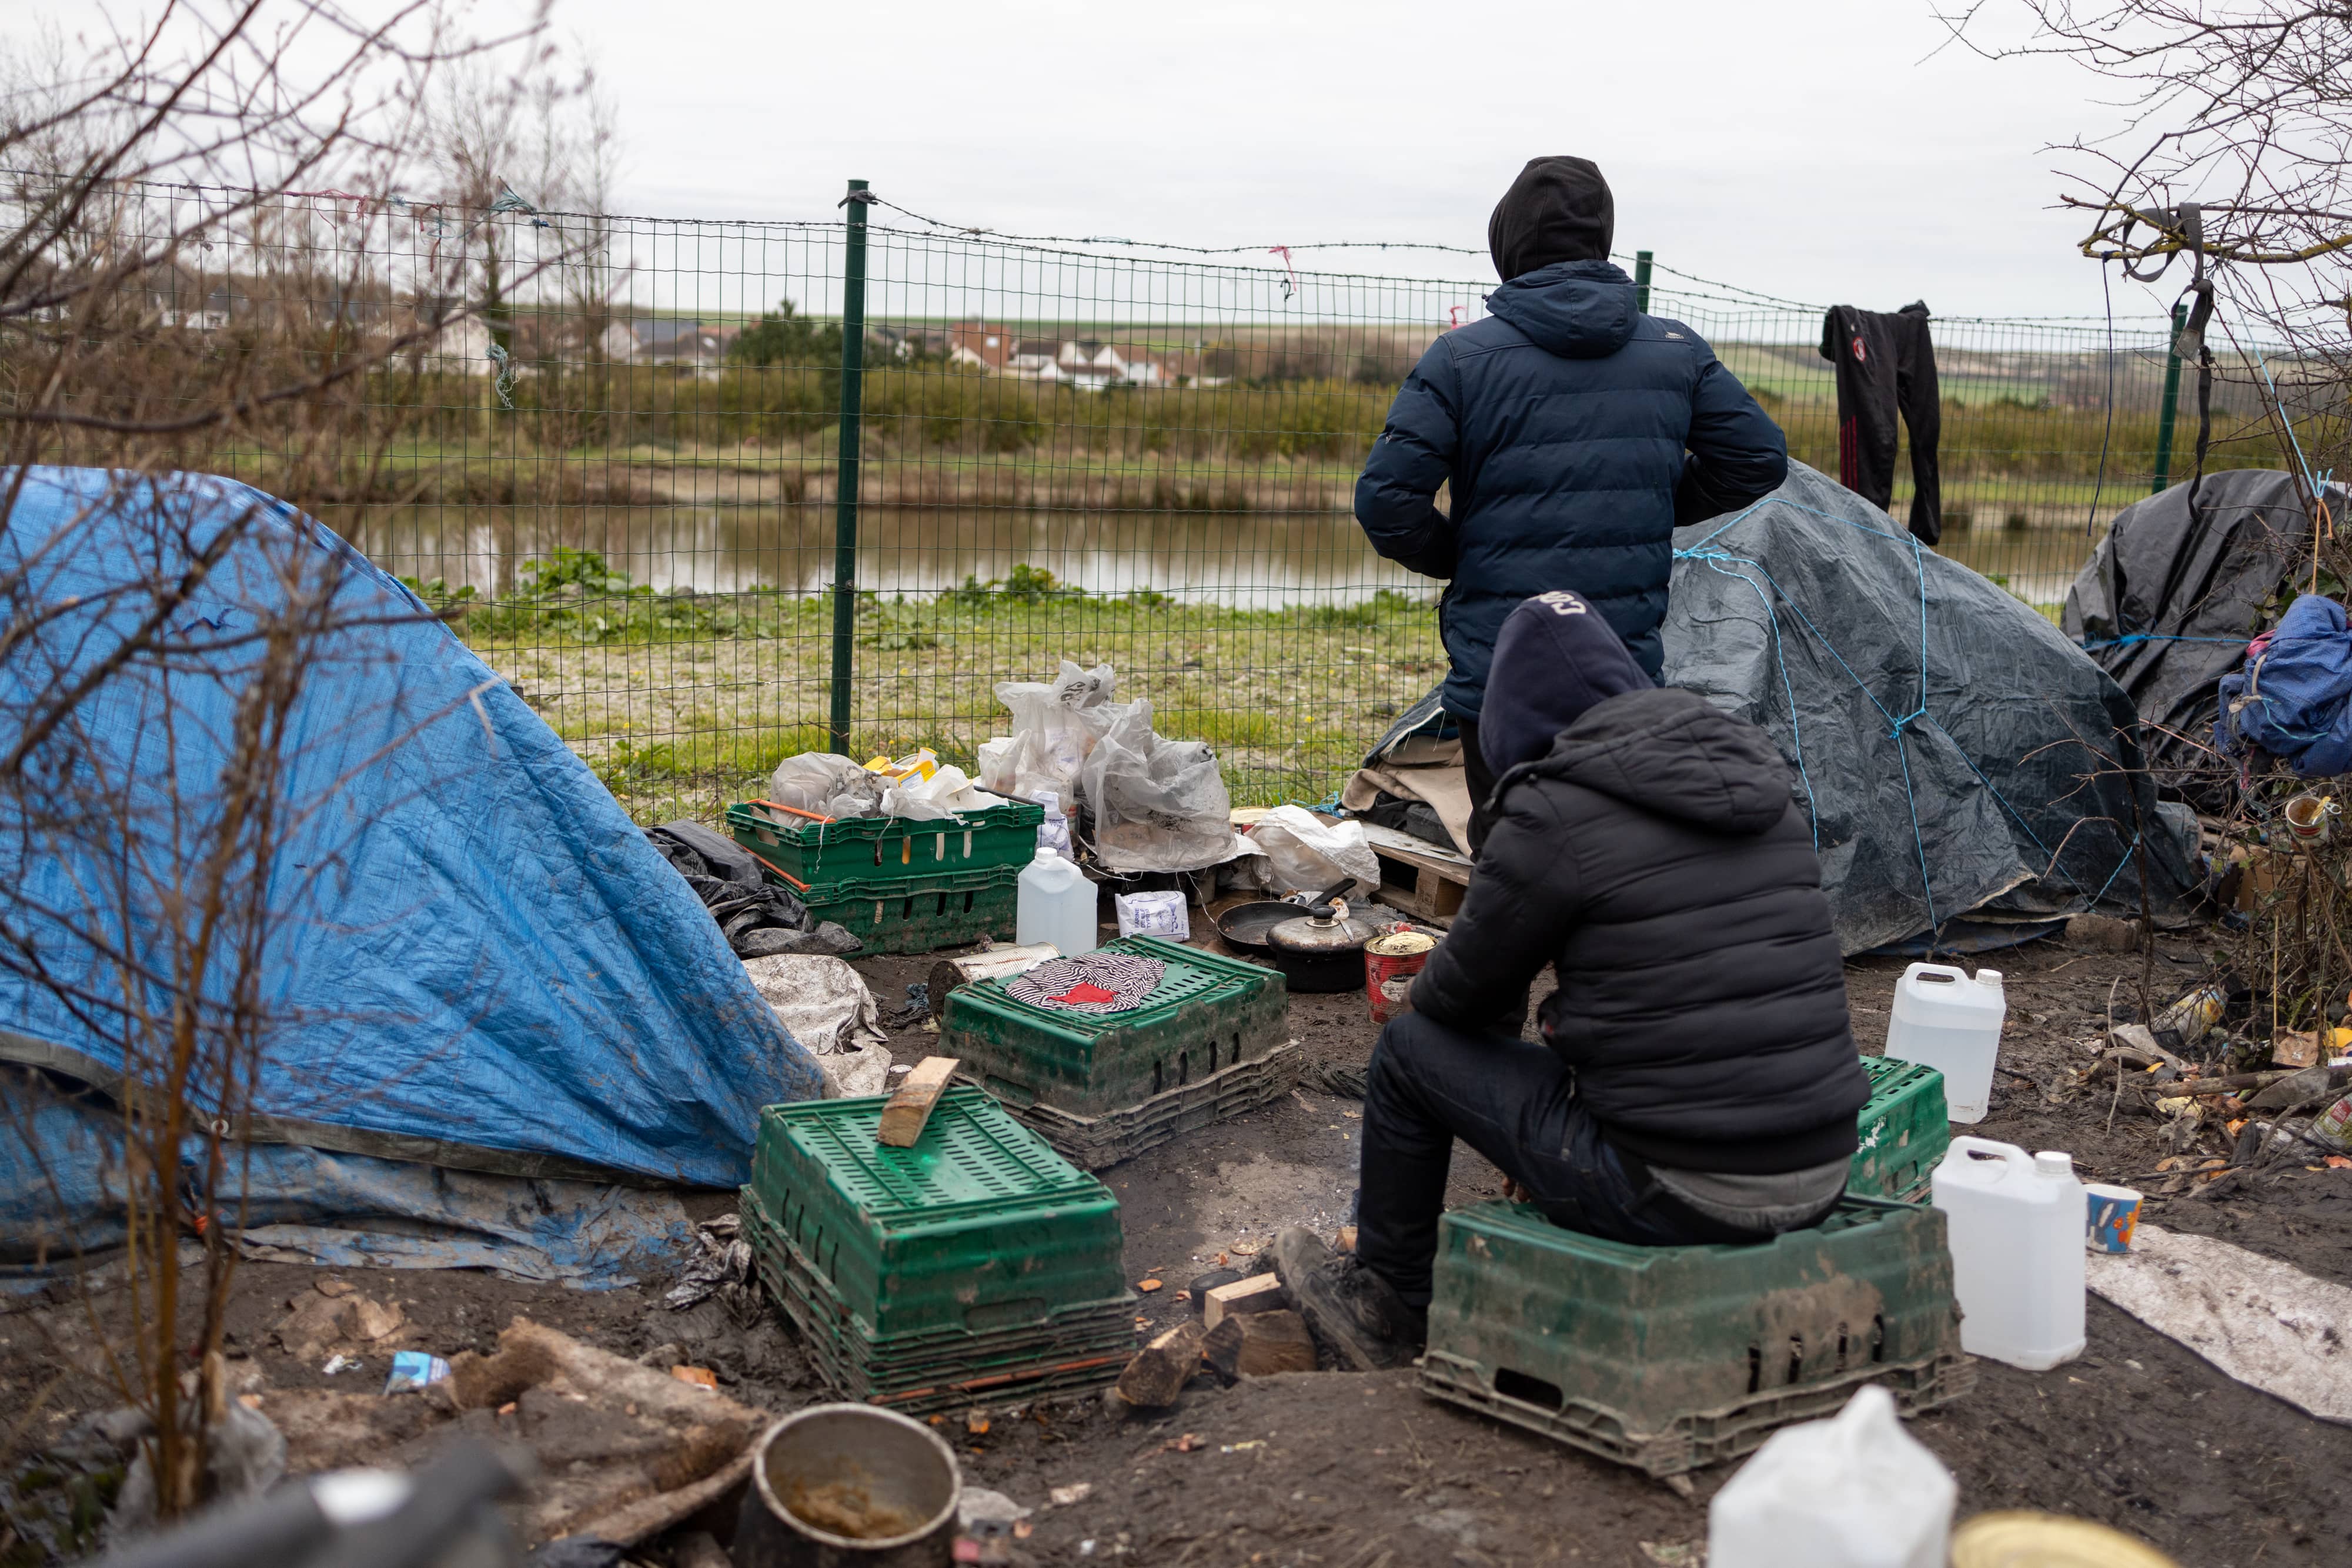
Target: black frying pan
column 1244, row 928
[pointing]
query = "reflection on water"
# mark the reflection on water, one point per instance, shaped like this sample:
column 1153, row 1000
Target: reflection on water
column 1252, row 561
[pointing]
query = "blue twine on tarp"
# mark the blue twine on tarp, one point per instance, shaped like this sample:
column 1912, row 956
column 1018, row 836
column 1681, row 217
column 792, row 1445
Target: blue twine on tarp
column 2152, row 637
column 1719, row 560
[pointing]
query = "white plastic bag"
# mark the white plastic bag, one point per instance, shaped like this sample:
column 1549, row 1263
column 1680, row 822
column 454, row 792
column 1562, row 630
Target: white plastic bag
column 1154, row 914
column 1159, row 805
column 1304, row 853
column 1055, row 725
column 825, row 1005
column 944, row 794
column 827, row 784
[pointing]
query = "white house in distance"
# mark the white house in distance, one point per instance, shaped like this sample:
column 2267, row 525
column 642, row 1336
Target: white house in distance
column 1087, row 364
column 660, row 340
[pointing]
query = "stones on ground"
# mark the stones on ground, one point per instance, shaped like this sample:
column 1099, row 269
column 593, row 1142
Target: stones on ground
column 1258, row 1294
column 1259, row 1345
column 1161, row 1368
column 2103, row 932
column 909, row 1106
column 334, row 1316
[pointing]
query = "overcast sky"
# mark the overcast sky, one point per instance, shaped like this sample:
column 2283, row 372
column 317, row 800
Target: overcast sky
column 1827, row 150
column 1823, row 150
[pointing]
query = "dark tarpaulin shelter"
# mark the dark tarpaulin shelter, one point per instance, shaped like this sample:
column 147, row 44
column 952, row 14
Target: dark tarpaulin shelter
column 2167, row 603
column 1960, row 756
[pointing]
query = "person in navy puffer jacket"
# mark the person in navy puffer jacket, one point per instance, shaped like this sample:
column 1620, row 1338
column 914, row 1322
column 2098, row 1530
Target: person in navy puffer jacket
column 1575, row 433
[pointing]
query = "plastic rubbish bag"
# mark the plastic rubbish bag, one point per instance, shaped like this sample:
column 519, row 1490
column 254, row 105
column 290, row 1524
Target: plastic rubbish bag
column 1304, row 853
column 1154, row 914
column 827, row 784
column 1159, row 805
column 825, row 1005
column 1055, row 725
column 946, row 792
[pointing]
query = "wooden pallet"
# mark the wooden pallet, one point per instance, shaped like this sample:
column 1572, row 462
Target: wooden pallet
column 1425, row 881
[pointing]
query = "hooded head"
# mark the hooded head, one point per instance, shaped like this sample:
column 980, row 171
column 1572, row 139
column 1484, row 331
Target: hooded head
column 1554, row 658
column 1559, row 209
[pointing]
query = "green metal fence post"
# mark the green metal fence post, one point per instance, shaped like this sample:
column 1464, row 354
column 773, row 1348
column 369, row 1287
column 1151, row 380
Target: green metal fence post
column 2171, row 399
column 845, row 506
column 1641, row 281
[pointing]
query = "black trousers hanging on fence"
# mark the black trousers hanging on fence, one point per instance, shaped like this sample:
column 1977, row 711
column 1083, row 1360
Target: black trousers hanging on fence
column 1886, row 366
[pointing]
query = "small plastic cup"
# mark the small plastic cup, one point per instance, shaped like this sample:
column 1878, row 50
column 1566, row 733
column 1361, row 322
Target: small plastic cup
column 2114, row 1216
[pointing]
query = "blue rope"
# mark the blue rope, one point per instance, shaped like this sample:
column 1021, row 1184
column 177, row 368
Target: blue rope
column 2152, row 637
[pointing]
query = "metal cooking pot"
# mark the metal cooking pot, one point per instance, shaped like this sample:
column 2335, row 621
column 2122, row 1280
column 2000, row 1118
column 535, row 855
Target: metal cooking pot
column 1248, row 928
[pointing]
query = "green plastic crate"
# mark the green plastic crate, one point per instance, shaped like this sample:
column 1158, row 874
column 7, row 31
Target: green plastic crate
column 922, row 914
column 1668, row 1357
column 979, row 1227
column 1209, row 1013
column 878, row 848
column 1904, row 1130
column 1071, row 1349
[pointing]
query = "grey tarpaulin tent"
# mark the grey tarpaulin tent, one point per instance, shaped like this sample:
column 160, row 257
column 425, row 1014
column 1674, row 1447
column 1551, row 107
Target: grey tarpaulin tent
column 1959, row 752
column 1988, row 788
column 2165, row 607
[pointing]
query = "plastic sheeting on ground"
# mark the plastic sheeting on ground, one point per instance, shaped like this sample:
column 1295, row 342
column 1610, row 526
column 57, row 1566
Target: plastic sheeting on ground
column 2166, row 602
column 478, row 960
column 2266, row 1324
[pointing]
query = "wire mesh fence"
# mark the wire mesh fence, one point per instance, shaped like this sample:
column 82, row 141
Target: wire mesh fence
column 612, row 449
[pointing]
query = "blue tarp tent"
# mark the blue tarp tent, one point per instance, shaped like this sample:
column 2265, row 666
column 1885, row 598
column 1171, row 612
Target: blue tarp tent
column 477, row 961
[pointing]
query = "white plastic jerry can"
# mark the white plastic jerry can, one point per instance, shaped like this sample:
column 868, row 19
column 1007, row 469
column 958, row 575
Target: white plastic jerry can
column 1854, row 1491
column 1055, row 905
column 1943, row 1019
column 2015, row 1222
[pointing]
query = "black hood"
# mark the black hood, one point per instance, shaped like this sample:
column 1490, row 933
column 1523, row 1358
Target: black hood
column 1672, row 753
column 1559, row 209
column 1555, row 661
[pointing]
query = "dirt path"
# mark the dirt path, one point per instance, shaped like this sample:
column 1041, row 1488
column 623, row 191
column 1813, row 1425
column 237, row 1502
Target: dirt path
column 1363, row 1472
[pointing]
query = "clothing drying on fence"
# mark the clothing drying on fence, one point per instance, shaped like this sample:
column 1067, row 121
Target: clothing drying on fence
column 2294, row 698
column 1886, row 365
column 2166, row 602
column 1573, row 432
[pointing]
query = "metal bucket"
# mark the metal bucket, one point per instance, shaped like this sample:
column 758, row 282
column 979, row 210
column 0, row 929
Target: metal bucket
column 850, row 1486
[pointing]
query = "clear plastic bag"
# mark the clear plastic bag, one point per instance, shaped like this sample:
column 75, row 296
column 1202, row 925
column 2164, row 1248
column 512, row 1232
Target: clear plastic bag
column 1159, row 805
column 1055, row 725
column 944, row 794
column 1304, row 853
column 827, row 784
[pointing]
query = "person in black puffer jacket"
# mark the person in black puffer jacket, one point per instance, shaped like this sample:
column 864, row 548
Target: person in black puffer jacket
column 1572, row 434
column 1697, row 1079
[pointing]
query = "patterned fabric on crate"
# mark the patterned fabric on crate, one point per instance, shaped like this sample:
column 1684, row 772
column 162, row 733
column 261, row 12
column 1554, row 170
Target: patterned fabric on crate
column 1092, row 983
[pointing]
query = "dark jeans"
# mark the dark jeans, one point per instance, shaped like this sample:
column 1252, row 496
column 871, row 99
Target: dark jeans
column 1479, row 778
column 1515, row 1103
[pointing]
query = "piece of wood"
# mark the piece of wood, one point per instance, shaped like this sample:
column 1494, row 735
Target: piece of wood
column 1258, row 1345
column 1161, row 1369
column 989, row 963
column 910, row 1104
column 1258, row 1294
column 1417, row 852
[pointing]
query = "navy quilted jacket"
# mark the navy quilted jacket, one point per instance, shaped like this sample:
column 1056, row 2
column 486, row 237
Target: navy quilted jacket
column 1576, row 434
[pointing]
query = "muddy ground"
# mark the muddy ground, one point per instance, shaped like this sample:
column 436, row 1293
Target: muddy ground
column 1363, row 1472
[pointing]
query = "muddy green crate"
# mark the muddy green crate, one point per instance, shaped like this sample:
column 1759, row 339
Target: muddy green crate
column 1666, row 1358
column 978, row 1228
column 1904, row 1130
column 880, row 849
column 921, row 915
column 1069, row 1350
column 1208, row 1013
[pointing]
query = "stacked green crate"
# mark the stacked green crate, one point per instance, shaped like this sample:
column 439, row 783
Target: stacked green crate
column 1904, row 1130
column 1209, row 1042
column 976, row 1264
column 1666, row 1358
column 899, row 884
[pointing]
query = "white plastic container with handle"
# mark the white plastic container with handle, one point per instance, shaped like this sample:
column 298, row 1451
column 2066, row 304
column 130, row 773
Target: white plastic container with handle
column 2014, row 1222
column 1943, row 1019
column 1854, row 1491
column 1055, row 905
